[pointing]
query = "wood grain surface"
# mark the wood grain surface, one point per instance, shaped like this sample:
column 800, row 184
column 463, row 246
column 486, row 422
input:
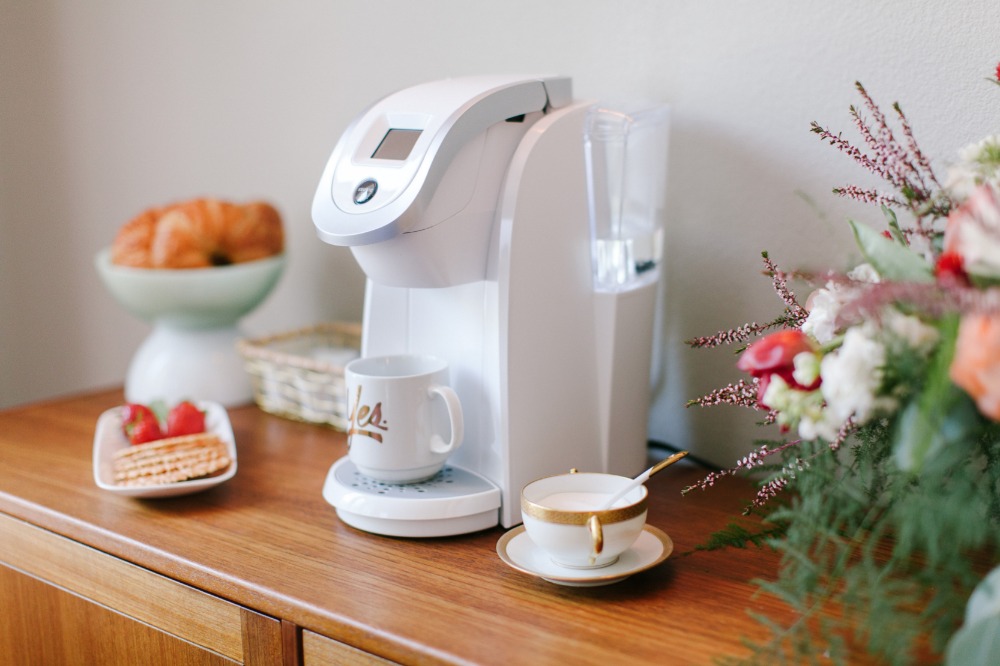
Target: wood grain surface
column 268, row 541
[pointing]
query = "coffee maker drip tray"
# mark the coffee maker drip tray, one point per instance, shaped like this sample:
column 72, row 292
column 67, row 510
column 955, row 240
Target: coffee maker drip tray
column 454, row 501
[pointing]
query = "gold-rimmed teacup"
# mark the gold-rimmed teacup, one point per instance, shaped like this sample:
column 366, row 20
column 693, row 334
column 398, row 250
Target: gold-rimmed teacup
column 561, row 516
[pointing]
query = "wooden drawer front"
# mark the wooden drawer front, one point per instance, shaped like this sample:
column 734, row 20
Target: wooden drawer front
column 176, row 608
column 45, row 624
column 319, row 650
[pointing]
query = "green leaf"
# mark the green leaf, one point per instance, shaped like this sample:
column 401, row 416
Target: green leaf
column 894, row 228
column 160, row 408
column 735, row 535
column 941, row 413
column 925, row 427
column 891, row 260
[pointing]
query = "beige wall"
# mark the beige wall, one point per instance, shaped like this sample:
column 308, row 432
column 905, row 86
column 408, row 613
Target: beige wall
column 109, row 107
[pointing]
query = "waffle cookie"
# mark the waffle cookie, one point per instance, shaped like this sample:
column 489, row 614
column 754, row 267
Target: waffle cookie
column 170, row 460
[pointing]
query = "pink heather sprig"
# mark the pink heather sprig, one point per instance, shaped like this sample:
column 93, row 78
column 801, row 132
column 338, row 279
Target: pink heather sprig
column 766, row 493
column 912, row 147
column 740, row 394
column 758, row 457
column 746, row 393
column 982, row 301
column 846, row 147
column 867, row 196
column 903, row 165
column 708, row 481
column 793, row 317
column 795, row 313
column 925, row 232
column 842, row 434
column 749, row 461
column 870, row 301
column 900, row 164
column 770, row 489
column 736, row 335
column 930, row 299
column 885, row 160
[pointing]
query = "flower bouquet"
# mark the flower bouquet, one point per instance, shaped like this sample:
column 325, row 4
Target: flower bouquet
column 882, row 493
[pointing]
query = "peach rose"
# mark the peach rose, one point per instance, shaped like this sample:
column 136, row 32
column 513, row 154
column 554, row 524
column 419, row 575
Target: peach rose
column 976, row 365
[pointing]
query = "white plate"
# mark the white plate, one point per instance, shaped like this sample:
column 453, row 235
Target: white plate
column 109, row 438
column 518, row 550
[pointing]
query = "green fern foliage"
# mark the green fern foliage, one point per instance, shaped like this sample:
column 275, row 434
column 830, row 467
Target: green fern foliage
column 872, row 557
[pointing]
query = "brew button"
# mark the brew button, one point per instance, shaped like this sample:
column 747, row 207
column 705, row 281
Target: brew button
column 365, row 191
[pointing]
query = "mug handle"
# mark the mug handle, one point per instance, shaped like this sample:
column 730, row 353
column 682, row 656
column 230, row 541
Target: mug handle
column 451, row 401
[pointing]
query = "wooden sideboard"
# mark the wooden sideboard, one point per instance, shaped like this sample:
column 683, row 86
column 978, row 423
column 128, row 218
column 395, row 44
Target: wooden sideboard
column 260, row 570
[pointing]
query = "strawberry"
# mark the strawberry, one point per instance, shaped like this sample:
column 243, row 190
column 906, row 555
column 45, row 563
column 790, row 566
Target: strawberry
column 185, row 419
column 144, row 431
column 139, row 424
column 134, row 411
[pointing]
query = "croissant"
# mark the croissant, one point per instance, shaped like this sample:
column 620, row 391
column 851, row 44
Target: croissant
column 199, row 233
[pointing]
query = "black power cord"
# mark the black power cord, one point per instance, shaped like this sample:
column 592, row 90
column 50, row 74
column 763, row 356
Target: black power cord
column 659, row 450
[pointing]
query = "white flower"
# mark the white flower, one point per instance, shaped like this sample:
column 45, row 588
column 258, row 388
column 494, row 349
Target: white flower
column 806, row 370
column 864, row 273
column 824, row 304
column 910, row 330
column 794, row 405
column 852, row 376
column 821, row 425
column 979, row 165
column 776, row 394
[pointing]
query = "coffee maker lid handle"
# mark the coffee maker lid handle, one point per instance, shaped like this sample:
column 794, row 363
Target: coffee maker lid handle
column 386, row 166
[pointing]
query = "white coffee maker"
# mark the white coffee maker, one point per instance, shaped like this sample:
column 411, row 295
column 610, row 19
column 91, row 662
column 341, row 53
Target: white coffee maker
column 516, row 233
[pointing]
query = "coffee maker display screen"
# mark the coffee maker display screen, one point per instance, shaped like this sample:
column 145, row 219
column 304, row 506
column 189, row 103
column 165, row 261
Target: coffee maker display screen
column 396, row 144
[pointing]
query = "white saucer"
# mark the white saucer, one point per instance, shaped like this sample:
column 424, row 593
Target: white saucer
column 518, row 551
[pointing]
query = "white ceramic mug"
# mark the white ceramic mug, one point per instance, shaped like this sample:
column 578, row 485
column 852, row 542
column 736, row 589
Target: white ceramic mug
column 561, row 516
column 404, row 420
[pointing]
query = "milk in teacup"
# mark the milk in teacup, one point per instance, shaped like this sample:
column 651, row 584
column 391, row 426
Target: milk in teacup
column 576, row 501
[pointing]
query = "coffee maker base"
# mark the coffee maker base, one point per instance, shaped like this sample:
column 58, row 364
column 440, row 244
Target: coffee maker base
column 454, row 501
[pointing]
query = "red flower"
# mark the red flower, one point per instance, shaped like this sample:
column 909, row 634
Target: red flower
column 950, row 269
column 775, row 355
column 998, row 72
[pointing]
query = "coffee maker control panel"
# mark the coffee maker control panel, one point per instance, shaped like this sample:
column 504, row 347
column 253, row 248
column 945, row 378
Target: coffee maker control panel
column 387, row 166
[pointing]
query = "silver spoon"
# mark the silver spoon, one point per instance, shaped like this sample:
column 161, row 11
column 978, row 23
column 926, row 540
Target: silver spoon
column 642, row 478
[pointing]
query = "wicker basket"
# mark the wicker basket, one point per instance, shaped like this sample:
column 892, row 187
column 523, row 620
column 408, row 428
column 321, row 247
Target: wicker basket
column 300, row 374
